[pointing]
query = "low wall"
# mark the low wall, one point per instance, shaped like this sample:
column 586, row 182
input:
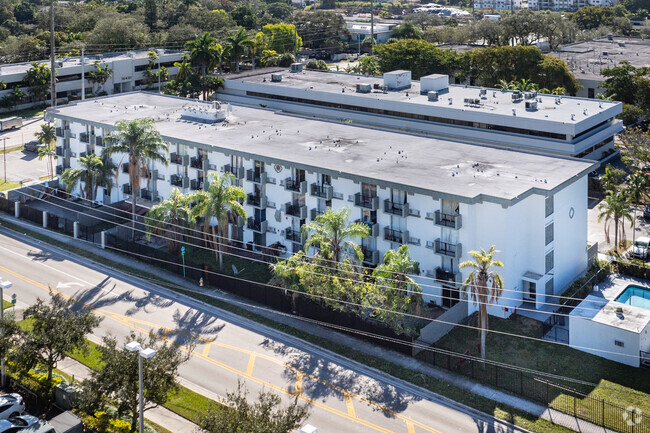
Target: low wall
column 434, row 331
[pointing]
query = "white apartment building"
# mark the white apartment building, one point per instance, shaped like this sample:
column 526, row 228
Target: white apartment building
column 128, row 73
column 541, row 5
column 554, row 125
column 442, row 198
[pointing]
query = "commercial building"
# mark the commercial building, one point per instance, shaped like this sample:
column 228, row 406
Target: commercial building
column 554, row 125
column 360, row 31
column 440, row 197
column 128, row 73
column 542, row 5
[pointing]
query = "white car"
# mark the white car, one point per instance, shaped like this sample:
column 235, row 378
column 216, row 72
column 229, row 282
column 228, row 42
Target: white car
column 640, row 248
column 11, row 405
column 17, row 423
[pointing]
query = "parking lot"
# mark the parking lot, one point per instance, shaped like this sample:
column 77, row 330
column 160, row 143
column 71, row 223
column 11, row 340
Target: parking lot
column 21, row 165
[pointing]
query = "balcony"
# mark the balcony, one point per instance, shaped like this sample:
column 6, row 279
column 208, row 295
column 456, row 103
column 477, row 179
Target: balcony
column 83, row 137
column 126, row 188
column 256, row 201
column 255, row 176
column 182, row 181
column 397, row 236
column 323, row 191
column 238, row 172
column 196, row 162
column 257, row 226
column 374, row 227
column 59, row 132
column 366, row 201
column 447, row 220
column 313, row 213
column 59, row 169
column 175, row 158
column 370, row 257
column 294, row 235
column 295, row 210
column 146, row 194
column 196, row 184
column 400, row 209
column 295, row 185
column 59, row 151
column 441, row 274
column 445, row 248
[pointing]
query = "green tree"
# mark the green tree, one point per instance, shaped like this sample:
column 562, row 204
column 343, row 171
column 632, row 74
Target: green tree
column 636, row 190
column 151, row 13
column 280, row 10
column 100, row 75
column 612, row 178
column 220, row 199
column 141, row 142
column 184, row 68
column 484, row 286
column 368, row 65
column 615, row 208
column 117, row 378
column 333, row 233
column 13, row 98
column 238, row 42
column 319, row 65
column 37, row 79
column 202, row 52
column 244, row 17
column 635, row 149
column 320, row 30
column 170, row 217
column 57, row 329
column 628, row 84
column 88, row 173
column 418, row 56
column 47, row 137
column 10, row 336
column 265, row 415
column 407, row 31
column 282, row 38
column 591, row 17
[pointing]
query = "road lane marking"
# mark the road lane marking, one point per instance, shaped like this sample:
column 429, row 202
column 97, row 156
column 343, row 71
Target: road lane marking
column 350, row 405
column 130, row 322
column 410, row 427
column 299, row 377
column 206, row 349
column 251, row 365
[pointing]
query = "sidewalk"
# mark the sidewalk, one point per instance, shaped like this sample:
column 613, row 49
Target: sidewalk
column 329, row 334
column 159, row 415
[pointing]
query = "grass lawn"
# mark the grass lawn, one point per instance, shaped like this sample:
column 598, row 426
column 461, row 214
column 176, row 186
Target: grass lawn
column 11, row 149
column 189, row 404
column 7, row 185
column 28, row 112
column 614, row 382
column 6, row 304
column 91, row 358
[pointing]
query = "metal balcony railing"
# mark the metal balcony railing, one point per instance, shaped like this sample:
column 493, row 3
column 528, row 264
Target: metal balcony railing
column 175, row 158
column 366, row 201
column 126, row 188
column 255, row 176
column 176, row 180
column 447, row 220
column 257, row 226
column 370, row 257
column 393, row 208
column 294, row 235
column 447, row 249
column 322, row 191
column 393, row 235
column 295, row 210
column 196, row 162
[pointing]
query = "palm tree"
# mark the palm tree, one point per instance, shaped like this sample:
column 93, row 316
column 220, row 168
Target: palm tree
column 141, row 142
column 107, row 173
column 525, row 85
column 220, row 198
column 504, row 85
column 184, row 68
column 616, row 208
column 220, row 53
column 637, row 186
column 47, row 137
column 332, row 233
column 88, row 174
column 202, row 52
column 170, row 216
column 485, row 286
column 238, row 41
column 559, row 91
column 100, row 75
column 395, row 272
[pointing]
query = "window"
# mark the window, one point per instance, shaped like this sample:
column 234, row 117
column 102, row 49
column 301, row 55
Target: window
column 549, row 233
column 549, row 206
column 619, row 343
column 549, row 261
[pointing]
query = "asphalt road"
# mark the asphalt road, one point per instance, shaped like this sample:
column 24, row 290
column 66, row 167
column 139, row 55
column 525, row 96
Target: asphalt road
column 344, row 396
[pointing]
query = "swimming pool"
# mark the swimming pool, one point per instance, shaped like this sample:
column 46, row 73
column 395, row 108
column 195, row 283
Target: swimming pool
column 636, row 296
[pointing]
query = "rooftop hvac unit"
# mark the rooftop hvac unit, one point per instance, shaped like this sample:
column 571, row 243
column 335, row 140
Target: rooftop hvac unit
column 276, row 78
column 432, row 95
column 472, row 101
column 517, row 95
column 621, row 44
column 530, row 95
column 610, row 37
column 531, row 105
column 296, row 67
column 483, row 92
column 364, row 88
column 605, row 53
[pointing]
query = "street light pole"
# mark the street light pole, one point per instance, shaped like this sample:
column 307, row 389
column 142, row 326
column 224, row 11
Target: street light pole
column 3, row 285
column 134, row 346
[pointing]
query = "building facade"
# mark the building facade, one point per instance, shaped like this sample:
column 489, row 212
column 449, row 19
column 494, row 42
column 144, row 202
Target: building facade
column 128, row 73
column 442, row 198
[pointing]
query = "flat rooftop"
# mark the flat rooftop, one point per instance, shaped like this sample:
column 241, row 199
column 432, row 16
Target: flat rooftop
column 66, row 62
column 496, row 106
column 587, row 59
column 622, row 316
column 453, row 169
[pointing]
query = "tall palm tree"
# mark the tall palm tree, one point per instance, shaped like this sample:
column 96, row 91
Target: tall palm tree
column 220, row 198
column 141, row 142
column 484, row 285
column 202, row 52
column 332, row 233
column 394, row 272
column 184, row 68
column 615, row 208
column 47, row 137
column 100, row 75
column 107, row 176
column 170, row 216
column 238, row 41
column 636, row 189
column 88, row 173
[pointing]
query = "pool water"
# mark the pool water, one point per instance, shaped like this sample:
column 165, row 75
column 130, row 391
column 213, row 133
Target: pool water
column 635, row 296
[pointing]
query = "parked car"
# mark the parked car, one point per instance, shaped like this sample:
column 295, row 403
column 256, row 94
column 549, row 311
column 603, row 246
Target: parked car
column 33, row 146
column 19, row 423
column 646, row 212
column 11, row 123
column 67, row 422
column 640, row 248
column 11, row 405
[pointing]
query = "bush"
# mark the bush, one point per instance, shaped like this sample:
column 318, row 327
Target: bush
column 102, row 422
column 319, row 65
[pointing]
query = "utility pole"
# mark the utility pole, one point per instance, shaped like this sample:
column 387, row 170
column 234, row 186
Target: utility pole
column 52, row 70
column 372, row 25
column 4, row 156
column 83, row 75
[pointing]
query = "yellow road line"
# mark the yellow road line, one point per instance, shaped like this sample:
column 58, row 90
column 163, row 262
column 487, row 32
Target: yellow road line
column 299, row 377
column 410, row 427
column 251, row 365
column 350, row 405
column 206, row 349
column 130, row 322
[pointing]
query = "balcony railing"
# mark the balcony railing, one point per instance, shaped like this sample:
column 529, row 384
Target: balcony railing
column 256, row 200
column 370, row 257
column 313, row 213
column 446, row 249
column 322, row 191
column 257, row 226
column 374, row 227
column 295, row 210
column 176, row 180
column 366, row 201
column 59, row 132
column 59, row 169
column 255, row 176
column 398, row 236
column 238, row 172
column 83, row 137
column 175, row 158
column 447, row 220
column 393, row 208
column 295, row 185
column 442, row 274
column 196, row 162
column 196, row 184
column 126, row 188
column 294, row 235
column 146, row 194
